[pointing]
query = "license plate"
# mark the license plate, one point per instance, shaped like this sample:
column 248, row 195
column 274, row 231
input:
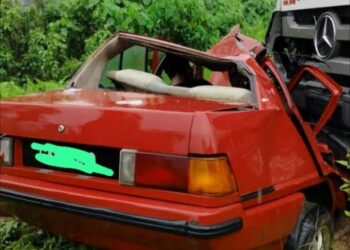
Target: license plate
column 83, row 159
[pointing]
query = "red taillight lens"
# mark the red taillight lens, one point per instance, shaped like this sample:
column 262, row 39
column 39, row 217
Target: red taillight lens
column 161, row 171
column 204, row 176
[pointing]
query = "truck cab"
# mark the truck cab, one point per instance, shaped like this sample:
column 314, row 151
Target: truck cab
column 315, row 33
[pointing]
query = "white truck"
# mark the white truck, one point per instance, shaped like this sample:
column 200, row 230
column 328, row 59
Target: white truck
column 317, row 33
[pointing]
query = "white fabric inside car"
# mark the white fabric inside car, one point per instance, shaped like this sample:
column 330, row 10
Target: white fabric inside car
column 154, row 84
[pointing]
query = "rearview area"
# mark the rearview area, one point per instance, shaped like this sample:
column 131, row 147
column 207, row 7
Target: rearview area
column 156, row 67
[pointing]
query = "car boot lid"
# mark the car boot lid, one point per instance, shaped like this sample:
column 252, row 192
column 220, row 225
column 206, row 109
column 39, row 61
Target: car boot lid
column 106, row 118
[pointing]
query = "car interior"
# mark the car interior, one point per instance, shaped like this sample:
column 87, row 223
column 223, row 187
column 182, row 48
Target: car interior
column 152, row 67
column 169, row 74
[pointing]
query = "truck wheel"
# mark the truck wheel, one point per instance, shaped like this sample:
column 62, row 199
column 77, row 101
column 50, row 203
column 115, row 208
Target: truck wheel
column 314, row 230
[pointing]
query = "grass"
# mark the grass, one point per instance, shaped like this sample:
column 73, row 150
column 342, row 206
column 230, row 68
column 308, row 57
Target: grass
column 17, row 235
column 9, row 89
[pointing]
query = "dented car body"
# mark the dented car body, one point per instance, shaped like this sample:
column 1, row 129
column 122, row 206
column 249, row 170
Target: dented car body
column 124, row 159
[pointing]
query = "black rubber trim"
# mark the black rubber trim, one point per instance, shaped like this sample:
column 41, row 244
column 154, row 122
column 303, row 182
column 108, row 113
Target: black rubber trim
column 177, row 227
column 258, row 193
column 307, row 142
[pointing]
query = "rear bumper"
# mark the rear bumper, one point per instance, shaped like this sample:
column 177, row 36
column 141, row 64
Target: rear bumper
column 115, row 221
column 178, row 227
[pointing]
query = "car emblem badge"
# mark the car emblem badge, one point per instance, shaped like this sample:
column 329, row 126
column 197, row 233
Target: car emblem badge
column 325, row 36
column 60, row 128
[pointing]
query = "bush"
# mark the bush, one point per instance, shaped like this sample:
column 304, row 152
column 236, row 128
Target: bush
column 48, row 40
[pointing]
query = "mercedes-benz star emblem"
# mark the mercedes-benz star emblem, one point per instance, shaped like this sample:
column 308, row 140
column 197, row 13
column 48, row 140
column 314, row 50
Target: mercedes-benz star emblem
column 325, row 36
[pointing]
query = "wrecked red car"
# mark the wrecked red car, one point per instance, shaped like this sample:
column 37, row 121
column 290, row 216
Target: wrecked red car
column 158, row 146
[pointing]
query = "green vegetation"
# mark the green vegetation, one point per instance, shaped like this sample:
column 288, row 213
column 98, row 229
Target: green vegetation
column 9, row 89
column 43, row 44
column 17, row 235
column 49, row 39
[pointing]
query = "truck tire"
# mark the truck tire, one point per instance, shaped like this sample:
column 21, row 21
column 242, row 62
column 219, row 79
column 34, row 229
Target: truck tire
column 314, row 230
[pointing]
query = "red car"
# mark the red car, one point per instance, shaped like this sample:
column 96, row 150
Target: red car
column 158, row 146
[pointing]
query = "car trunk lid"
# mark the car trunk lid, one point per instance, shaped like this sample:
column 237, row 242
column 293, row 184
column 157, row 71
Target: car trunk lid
column 113, row 119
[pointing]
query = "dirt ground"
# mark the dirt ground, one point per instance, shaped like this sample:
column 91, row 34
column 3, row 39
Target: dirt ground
column 342, row 234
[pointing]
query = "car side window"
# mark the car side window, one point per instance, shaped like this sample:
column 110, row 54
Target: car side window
column 133, row 58
column 112, row 64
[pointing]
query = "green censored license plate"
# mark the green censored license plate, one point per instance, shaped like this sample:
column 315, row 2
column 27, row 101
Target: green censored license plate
column 69, row 158
column 74, row 158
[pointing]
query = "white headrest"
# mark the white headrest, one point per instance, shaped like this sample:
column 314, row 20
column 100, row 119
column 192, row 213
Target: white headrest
column 152, row 83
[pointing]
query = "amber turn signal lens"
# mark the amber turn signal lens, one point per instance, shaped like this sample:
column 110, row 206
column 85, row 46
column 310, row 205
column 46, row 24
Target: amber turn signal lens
column 210, row 176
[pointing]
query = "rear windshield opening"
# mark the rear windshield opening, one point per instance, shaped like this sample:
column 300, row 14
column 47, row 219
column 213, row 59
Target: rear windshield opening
column 147, row 65
column 173, row 69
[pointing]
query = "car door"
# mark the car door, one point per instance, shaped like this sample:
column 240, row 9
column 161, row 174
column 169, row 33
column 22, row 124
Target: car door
column 309, row 131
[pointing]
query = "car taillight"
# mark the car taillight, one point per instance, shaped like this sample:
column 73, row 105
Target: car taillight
column 6, row 151
column 210, row 176
column 196, row 175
